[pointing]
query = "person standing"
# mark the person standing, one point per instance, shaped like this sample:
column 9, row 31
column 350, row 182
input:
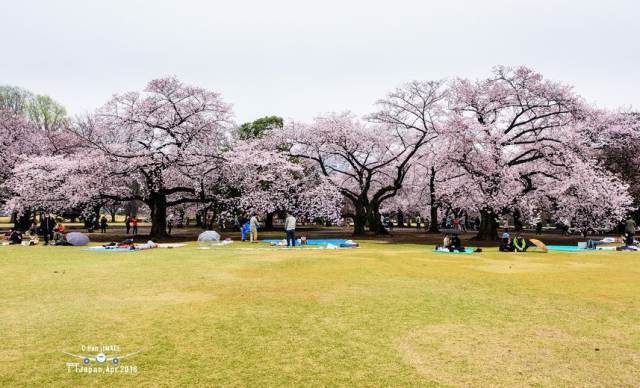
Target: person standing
column 290, row 229
column 630, row 231
column 134, row 226
column 418, row 222
column 47, row 225
column 253, row 229
column 103, row 224
column 169, row 225
column 630, row 226
column 127, row 223
column 245, row 230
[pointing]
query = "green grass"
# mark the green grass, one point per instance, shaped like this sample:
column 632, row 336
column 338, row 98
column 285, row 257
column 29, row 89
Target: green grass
column 380, row 315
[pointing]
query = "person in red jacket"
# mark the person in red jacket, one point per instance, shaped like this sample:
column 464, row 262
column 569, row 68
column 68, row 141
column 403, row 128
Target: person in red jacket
column 134, row 226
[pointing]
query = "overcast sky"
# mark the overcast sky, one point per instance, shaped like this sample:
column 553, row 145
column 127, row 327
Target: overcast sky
column 298, row 59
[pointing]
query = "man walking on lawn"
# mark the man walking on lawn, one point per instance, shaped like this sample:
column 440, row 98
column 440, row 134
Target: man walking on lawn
column 290, row 229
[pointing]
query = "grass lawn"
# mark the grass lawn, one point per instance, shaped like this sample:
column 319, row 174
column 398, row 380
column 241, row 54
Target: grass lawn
column 380, row 315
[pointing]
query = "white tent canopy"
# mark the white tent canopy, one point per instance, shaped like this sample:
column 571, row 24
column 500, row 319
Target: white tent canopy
column 208, row 237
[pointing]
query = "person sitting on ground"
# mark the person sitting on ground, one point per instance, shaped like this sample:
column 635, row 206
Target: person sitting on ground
column 446, row 241
column 33, row 229
column 62, row 241
column 507, row 242
column 505, row 236
column 58, row 231
column 629, row 243
column 507, row 245
column 33, row 237
column 15, row 237
column 520, row 244
column 456, row 244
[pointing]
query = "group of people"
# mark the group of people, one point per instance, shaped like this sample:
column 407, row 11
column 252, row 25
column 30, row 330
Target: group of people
column 509, row 244
column 629, row 238
column 97, row 223
column 15, row 236
column 451, row 243
column 51, row 230
column 250, row 228
column 129, row 244
column 131, row 225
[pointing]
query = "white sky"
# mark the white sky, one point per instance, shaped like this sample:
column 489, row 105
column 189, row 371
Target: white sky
column 298, row 59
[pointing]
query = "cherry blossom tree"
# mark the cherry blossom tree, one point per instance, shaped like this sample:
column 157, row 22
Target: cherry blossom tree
column 18, row 140
column 267, row 181
column 167, row 147
column 368, row 162
column 166, row 139
column 511, row 129
column 587, row 198
column 60, row 183
column 615, row 138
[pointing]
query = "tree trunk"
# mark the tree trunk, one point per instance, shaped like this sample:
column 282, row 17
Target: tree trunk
column 375, row 224
column 517, row 221
column 359, row 221
column 158, row 205
column 488, row 230
column 400, row 219
column 113, row 215
column 434, row 225
column 268, row 222
column 433, row 222
column 96, row 216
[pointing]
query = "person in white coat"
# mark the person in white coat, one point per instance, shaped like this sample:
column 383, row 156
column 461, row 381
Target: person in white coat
column 253, row 229
column 290, row 229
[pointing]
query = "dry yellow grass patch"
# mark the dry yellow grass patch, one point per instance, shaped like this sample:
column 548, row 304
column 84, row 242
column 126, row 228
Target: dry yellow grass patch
column 473, row 355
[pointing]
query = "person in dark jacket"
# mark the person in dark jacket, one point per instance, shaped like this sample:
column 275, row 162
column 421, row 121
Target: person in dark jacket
column 456, row 244
column 15, row 237
column 47, row 225
column 127, row 223
column 103, row 224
